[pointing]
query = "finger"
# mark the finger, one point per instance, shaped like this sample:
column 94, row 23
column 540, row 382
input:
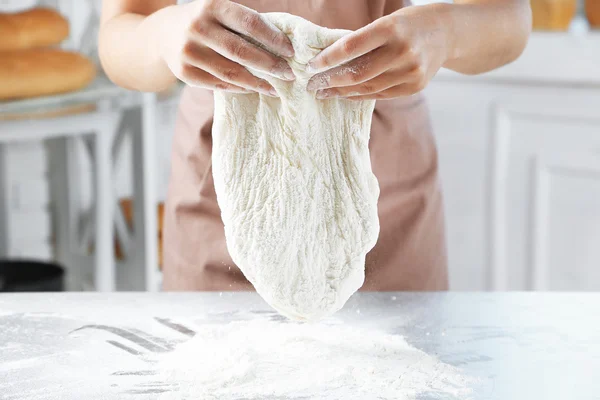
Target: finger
column 378, row 84
column 198, row 78
column 248, row 22
column 225, row 69
column 405, row 89
column 360, row 70
column 348, row 48
column 233, row 47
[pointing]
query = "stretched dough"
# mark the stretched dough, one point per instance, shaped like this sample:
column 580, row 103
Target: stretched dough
column 294, row 183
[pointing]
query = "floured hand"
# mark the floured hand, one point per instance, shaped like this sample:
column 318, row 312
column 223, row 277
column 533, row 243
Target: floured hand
column 204, row 45
column 394, row 56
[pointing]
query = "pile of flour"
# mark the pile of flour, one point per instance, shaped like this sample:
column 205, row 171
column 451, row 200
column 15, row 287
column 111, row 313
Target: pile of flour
column 294, row 183
column 261, row 359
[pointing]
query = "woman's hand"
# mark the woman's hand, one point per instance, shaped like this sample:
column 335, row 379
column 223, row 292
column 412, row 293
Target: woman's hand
column 397, row 55
column 394, row 56
column 204, row 45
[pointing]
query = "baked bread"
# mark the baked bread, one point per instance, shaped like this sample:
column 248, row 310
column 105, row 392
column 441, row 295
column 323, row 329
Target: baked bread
column 39, row 72
column 38, row 27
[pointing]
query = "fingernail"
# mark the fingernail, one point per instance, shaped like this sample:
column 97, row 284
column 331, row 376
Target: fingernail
column 317, row 82
column 288, row 74
column 289, row 51
column 266, row 91
column 270, row 93
column 323, row 94
column 273, row 93
column 310, row 68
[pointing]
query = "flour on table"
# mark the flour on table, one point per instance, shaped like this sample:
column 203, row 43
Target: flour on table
column 261, row 359
column 294, row 183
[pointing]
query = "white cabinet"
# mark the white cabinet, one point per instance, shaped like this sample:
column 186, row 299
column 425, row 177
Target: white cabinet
column 25, row 229
column 520, row 166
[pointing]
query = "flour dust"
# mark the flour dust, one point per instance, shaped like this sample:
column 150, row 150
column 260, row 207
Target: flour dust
column 262, row 359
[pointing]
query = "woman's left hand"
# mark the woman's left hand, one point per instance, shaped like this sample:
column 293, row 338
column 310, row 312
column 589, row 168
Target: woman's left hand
column 397, row 55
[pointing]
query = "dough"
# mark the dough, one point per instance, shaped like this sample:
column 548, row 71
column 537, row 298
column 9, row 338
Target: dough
column 294, row 183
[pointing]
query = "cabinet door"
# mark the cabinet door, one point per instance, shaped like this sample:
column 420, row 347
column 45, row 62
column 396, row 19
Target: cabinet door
column 544, row 192
column 461, row 129
column 520, row 167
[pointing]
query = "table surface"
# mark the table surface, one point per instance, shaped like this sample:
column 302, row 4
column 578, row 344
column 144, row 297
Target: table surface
column 516, row 345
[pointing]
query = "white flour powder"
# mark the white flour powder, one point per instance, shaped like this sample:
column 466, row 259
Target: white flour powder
column 269, row 360
column 294, row 183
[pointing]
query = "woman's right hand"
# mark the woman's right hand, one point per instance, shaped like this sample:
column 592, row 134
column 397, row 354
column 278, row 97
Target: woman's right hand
column 204, row 46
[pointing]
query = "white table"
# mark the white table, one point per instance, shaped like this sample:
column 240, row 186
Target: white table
column 93, row 346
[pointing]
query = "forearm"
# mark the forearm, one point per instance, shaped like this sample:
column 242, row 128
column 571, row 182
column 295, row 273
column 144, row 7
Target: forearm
column 485, row 34
column 129, row 52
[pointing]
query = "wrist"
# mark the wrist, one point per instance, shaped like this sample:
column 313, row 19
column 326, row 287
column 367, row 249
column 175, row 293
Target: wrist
column 155, row 30
column 457, row 22
column 439, row 20
column 444, row 15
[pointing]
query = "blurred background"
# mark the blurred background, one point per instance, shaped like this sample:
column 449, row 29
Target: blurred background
column 84, row 165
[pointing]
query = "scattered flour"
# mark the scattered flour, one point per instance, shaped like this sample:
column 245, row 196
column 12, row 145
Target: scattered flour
column 264, row 360
column 294, row 183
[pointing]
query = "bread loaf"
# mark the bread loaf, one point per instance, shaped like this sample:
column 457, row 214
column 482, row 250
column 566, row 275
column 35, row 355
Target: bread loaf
column 38, row 27
column 39, row 72
column 592, row 12
column 553, row 15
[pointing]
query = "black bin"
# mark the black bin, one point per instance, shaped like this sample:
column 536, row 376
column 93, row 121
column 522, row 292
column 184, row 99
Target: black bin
column 31, row 276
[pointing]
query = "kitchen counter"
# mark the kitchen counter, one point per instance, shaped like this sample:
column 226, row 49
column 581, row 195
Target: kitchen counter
column 550, row 58
column 89, row 346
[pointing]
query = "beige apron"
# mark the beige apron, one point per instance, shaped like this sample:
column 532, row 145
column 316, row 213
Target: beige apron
column 410, row 253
